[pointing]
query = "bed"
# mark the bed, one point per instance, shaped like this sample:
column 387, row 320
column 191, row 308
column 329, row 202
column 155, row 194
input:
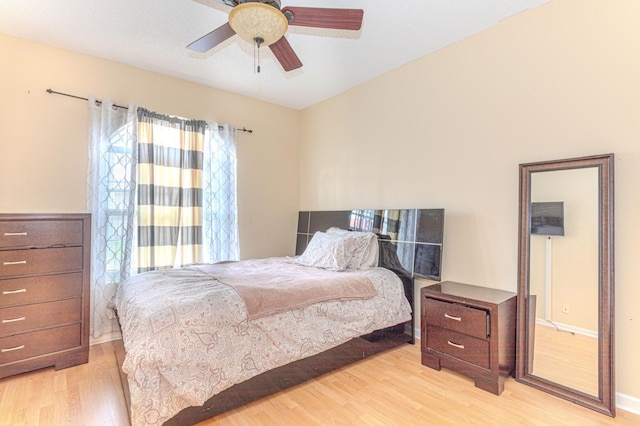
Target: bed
column 204, row 339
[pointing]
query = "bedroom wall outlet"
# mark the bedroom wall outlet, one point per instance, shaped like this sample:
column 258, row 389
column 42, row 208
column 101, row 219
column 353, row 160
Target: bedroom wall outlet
column 565, row 309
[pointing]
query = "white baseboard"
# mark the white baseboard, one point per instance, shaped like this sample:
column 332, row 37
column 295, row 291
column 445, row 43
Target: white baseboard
column 114, row 335
column 566, row 327
column 628, row 403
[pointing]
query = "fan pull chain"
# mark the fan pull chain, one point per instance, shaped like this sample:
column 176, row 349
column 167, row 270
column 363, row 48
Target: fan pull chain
column 259, row 41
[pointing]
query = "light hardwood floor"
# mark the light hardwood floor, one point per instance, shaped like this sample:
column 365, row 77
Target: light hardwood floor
column 567, row 358
column 389, row 389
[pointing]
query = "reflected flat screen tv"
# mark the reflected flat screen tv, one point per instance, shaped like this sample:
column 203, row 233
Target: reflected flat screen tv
column 547, row 218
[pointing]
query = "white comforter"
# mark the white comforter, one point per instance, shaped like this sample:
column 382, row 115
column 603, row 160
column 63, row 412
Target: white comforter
column 188, row 337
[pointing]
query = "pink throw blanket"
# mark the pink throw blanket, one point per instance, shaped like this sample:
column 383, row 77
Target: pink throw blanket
column 269, row 287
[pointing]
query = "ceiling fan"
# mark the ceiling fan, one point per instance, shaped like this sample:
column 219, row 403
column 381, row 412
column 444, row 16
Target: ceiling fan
column 263, row 22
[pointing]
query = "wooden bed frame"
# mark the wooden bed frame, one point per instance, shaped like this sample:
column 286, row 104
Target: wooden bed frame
column 300, row 371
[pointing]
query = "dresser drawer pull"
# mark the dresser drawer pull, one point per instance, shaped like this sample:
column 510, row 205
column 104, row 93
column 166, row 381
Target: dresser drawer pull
column 22, row 290
column 18, row 262
column 16, row 348
column 453, row 318
column 6, row 321
column 455, row 344
column 15, row 234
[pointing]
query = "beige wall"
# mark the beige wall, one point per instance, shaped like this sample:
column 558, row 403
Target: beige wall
column 43, row 137
column 450, row 129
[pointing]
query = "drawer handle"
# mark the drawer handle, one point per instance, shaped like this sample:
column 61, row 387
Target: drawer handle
column 455, row 344
column 18, row 262
column 6, row 321
column 453, row 318
column 15, row 234
column 16, row 348
column 22, row 290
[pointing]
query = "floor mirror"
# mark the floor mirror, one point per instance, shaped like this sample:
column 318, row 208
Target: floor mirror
column 565, row 335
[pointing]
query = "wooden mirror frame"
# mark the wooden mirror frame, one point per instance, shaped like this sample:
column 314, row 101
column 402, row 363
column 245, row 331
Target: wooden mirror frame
column 605, row 401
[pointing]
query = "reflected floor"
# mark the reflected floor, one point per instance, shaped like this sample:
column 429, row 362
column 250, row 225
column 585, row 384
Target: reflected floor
column 567, row 359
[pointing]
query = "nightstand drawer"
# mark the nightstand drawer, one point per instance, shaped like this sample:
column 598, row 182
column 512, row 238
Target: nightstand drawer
column 462, row 319
column 23, row 291
column 461, row 346
column 23, row 346
column 31, row 317
column 40, row 261
column 39, row 233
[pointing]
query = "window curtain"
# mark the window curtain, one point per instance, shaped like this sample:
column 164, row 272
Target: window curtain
column 170, row 177
column 220, row 216
column 111, row 201
column 162, row 193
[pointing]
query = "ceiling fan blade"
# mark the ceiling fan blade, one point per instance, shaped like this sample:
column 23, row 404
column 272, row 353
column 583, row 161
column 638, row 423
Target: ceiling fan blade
column 285, row 54
column 212, row 39
column 339, row 19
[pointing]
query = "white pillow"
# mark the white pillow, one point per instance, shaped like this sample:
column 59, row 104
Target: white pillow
column 326, row 251
column 366, row 251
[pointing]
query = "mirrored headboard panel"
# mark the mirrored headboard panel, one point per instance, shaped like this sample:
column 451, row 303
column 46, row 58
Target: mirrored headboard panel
column 414, row 236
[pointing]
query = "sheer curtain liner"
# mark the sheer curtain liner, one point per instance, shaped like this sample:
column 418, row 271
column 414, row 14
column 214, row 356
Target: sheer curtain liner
column 111, row 201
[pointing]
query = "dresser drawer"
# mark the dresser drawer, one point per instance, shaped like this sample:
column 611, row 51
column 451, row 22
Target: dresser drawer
column 31, row 317
column 463, row 319
column 22, row 291
column 27, row 233
column 458, row 345
column 27, row 345
column 40, row 261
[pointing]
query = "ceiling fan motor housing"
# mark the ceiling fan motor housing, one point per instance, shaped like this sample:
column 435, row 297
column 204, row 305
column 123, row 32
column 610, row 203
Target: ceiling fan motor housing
column 258, row 20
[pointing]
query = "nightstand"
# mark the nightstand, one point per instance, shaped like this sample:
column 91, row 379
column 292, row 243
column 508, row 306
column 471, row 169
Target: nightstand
column 470, row 330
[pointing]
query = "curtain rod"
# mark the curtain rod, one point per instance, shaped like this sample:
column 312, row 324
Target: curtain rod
column 53, row 92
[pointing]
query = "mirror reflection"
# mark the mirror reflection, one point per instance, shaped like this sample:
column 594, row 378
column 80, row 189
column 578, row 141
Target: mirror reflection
column 564, row 277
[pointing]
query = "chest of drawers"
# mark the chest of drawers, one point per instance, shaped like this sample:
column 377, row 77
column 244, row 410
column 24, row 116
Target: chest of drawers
column 44, row 291
column 471, row 330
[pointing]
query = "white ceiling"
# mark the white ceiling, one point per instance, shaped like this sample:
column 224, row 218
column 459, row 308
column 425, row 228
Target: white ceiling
column 153, row 35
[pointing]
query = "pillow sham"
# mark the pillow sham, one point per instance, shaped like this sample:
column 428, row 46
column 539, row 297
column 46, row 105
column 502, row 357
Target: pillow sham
column 327, row 251
column 366, row 251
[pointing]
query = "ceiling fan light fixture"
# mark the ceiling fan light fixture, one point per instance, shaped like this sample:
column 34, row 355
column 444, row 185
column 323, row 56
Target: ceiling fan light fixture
column 258, row 20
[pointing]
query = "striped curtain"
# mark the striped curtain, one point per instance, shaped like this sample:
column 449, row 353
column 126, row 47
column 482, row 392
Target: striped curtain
column 169, row 178
column 388, row 222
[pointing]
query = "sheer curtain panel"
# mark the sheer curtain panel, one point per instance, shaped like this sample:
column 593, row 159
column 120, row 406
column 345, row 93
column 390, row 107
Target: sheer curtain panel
column 220, row 215
column 111, row 201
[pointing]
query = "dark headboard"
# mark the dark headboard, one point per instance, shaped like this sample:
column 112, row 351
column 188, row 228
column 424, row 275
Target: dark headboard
column 415, row 236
